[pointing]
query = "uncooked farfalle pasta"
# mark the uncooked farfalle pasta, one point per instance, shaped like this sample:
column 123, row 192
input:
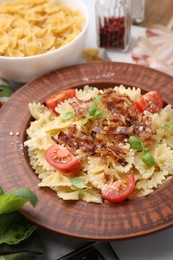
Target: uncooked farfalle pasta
column 32, row 27
column 111, row 140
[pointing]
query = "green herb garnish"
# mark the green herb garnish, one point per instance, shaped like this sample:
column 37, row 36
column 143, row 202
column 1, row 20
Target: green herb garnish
column 138, row 145
column 93, row 107
column 93, row 111
column 147, row 158
column 78, row 184
column 67, row 115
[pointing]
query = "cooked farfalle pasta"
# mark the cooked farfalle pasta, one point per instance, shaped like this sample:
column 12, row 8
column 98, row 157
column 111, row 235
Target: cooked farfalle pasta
column 101, row 144
column 96, row 172
column 38, row 161
column 86, row 93
column 39, row 111
column 163, row 155
column 133, row 93
column 164, row 118
column 144, row 171
column 55, row 179
column 43, row 141
column 34, row 27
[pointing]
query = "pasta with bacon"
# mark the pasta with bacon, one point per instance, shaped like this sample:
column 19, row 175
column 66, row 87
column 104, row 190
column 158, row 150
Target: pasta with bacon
column 101, row 144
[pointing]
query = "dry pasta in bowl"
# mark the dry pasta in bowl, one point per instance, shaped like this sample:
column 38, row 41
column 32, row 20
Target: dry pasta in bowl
column 99, row 145
column 40, row 36
column 37, row 26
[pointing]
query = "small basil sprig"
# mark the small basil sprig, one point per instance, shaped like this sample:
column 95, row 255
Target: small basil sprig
column 14, row 200
column 138, row 145
column 167, row 127
column 78, row 184
column 14, row 228
column 93, row 108
column 93, row 111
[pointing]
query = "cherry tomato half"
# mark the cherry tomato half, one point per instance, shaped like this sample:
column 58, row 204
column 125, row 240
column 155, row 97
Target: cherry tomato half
column 1, row 104
column 52, row 101
column 119, row 190
column 60, row 158
column 151, row 101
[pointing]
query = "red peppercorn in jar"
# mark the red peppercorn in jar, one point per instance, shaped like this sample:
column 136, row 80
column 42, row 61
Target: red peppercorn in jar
column 113, row 24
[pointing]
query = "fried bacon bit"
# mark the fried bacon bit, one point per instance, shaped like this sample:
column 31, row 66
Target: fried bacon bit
column 67, row 139
column 106, row 177
column 101, row 137
column 93, row 134
column 118, row 153
column 81, row 107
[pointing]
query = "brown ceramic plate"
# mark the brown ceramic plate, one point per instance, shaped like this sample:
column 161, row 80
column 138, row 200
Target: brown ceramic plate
column 79, row 219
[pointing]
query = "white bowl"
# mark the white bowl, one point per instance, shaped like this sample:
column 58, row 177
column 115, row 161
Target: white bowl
column 23, row 69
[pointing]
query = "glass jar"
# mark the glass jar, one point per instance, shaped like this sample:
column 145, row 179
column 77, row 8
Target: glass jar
column 113, row 24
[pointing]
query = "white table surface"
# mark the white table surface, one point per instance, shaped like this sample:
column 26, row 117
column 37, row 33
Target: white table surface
column 157, row 246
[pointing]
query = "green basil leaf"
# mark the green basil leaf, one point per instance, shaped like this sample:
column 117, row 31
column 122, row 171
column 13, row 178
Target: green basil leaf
column 26, row 194
column 136, row 143
column 5, row 90
column 67, row 115
column 10, row 203
column 98, row 113
column 32, row 246
column 148, row 159
column 14, row 228
column 78, row 184
column 92, row 110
